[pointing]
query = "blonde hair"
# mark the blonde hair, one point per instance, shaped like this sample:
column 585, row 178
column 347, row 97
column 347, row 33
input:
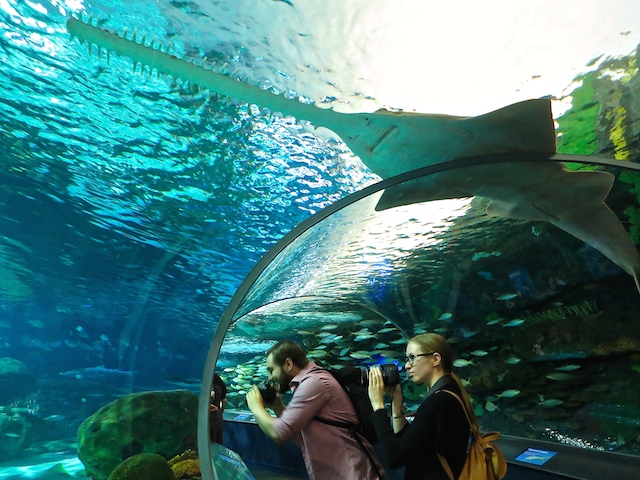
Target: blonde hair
column 432, row 342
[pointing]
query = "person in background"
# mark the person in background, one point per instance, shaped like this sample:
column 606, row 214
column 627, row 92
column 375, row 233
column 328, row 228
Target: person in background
column 330, row 452
column 216, row 407
column 440, row 425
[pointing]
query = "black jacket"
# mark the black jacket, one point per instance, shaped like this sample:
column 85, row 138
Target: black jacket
column 439, row 425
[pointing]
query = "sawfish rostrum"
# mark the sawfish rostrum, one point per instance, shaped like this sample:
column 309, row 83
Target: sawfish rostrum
column 390, row 143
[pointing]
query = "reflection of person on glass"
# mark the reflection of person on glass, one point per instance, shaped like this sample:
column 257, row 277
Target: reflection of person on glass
column 330, row 452
column 440, row 425
column 216, row 407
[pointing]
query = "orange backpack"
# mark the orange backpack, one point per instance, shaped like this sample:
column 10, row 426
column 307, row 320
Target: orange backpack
column 484, row 460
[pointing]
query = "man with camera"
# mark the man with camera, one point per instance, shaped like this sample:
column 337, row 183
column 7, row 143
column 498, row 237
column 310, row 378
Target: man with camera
column 330, row 452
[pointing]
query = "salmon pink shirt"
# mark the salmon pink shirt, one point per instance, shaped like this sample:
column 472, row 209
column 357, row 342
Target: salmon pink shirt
column 330, row 453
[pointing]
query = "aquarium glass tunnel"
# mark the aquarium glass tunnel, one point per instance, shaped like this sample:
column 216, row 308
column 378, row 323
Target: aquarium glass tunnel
column 544, row 327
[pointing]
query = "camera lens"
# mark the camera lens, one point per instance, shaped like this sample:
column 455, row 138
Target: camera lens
column 390, row 375
column 268, row 391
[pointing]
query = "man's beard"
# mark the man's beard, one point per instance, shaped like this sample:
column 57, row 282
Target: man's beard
column 283, row 383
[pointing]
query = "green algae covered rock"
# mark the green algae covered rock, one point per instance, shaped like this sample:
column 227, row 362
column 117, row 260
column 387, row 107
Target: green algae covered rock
column 144, row 466
column 164, row 423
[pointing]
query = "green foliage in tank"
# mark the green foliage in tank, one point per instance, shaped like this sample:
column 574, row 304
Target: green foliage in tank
column 577, row 125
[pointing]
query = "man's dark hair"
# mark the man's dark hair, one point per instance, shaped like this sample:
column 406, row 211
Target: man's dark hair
column 288, row 349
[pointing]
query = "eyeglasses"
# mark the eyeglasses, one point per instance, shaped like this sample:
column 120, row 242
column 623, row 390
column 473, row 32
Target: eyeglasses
column 410, row 359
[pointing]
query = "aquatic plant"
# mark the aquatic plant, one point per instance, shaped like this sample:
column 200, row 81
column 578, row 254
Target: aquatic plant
column 587, row 307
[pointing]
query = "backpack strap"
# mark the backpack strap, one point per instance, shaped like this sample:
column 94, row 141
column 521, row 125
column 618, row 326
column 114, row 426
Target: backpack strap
column 353, row 431
column 352, row 427
column 443, row 461
column 474, row 430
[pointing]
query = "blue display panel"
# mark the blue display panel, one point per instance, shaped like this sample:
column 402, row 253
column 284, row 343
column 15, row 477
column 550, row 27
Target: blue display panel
column 535, row 456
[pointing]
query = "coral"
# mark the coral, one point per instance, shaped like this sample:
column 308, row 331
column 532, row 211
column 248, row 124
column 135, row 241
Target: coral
column 189, row 468
column 144, row 466
column 188, row 454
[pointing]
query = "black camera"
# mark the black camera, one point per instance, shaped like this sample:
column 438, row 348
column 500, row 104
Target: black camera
column 390, row 375
column 268, row 391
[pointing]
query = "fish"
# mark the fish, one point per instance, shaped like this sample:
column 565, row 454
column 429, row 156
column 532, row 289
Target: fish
column 360, row 355
column 568, row 368
column 331, row 339
column 329, row 326
column 560, row 376
column 445, row 316
column 365, row 336
column 388, row 330
column 368, row 323
column 391, row 143
column 461, row 363
column 512, row 392
column 479, row 353
column 512, row 360
column 507, row 296
column 391, row 354
column 465, row 382
column 54, row 418
column 514, row 323
column 490, row 406
column 318, row 354
column 552, row 402
column 468, row 333
column 494, row 321
column 97, row 373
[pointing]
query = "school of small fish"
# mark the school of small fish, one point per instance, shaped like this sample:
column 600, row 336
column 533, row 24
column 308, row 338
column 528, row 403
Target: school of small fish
column 369, row 342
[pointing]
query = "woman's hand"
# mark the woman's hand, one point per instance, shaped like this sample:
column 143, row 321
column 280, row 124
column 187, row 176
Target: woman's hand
column 376, row 388
column 395, row 393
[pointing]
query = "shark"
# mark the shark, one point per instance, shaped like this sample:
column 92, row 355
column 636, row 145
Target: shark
column 392, row 143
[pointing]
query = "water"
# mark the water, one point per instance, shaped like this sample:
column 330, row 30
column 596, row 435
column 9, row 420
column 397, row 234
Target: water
column 131, row 208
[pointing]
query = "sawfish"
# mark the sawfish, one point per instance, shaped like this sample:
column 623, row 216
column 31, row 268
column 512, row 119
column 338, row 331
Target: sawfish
column 390, row 143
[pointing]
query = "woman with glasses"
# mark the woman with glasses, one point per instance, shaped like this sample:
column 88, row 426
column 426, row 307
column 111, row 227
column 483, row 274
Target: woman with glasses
column 440, row 426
